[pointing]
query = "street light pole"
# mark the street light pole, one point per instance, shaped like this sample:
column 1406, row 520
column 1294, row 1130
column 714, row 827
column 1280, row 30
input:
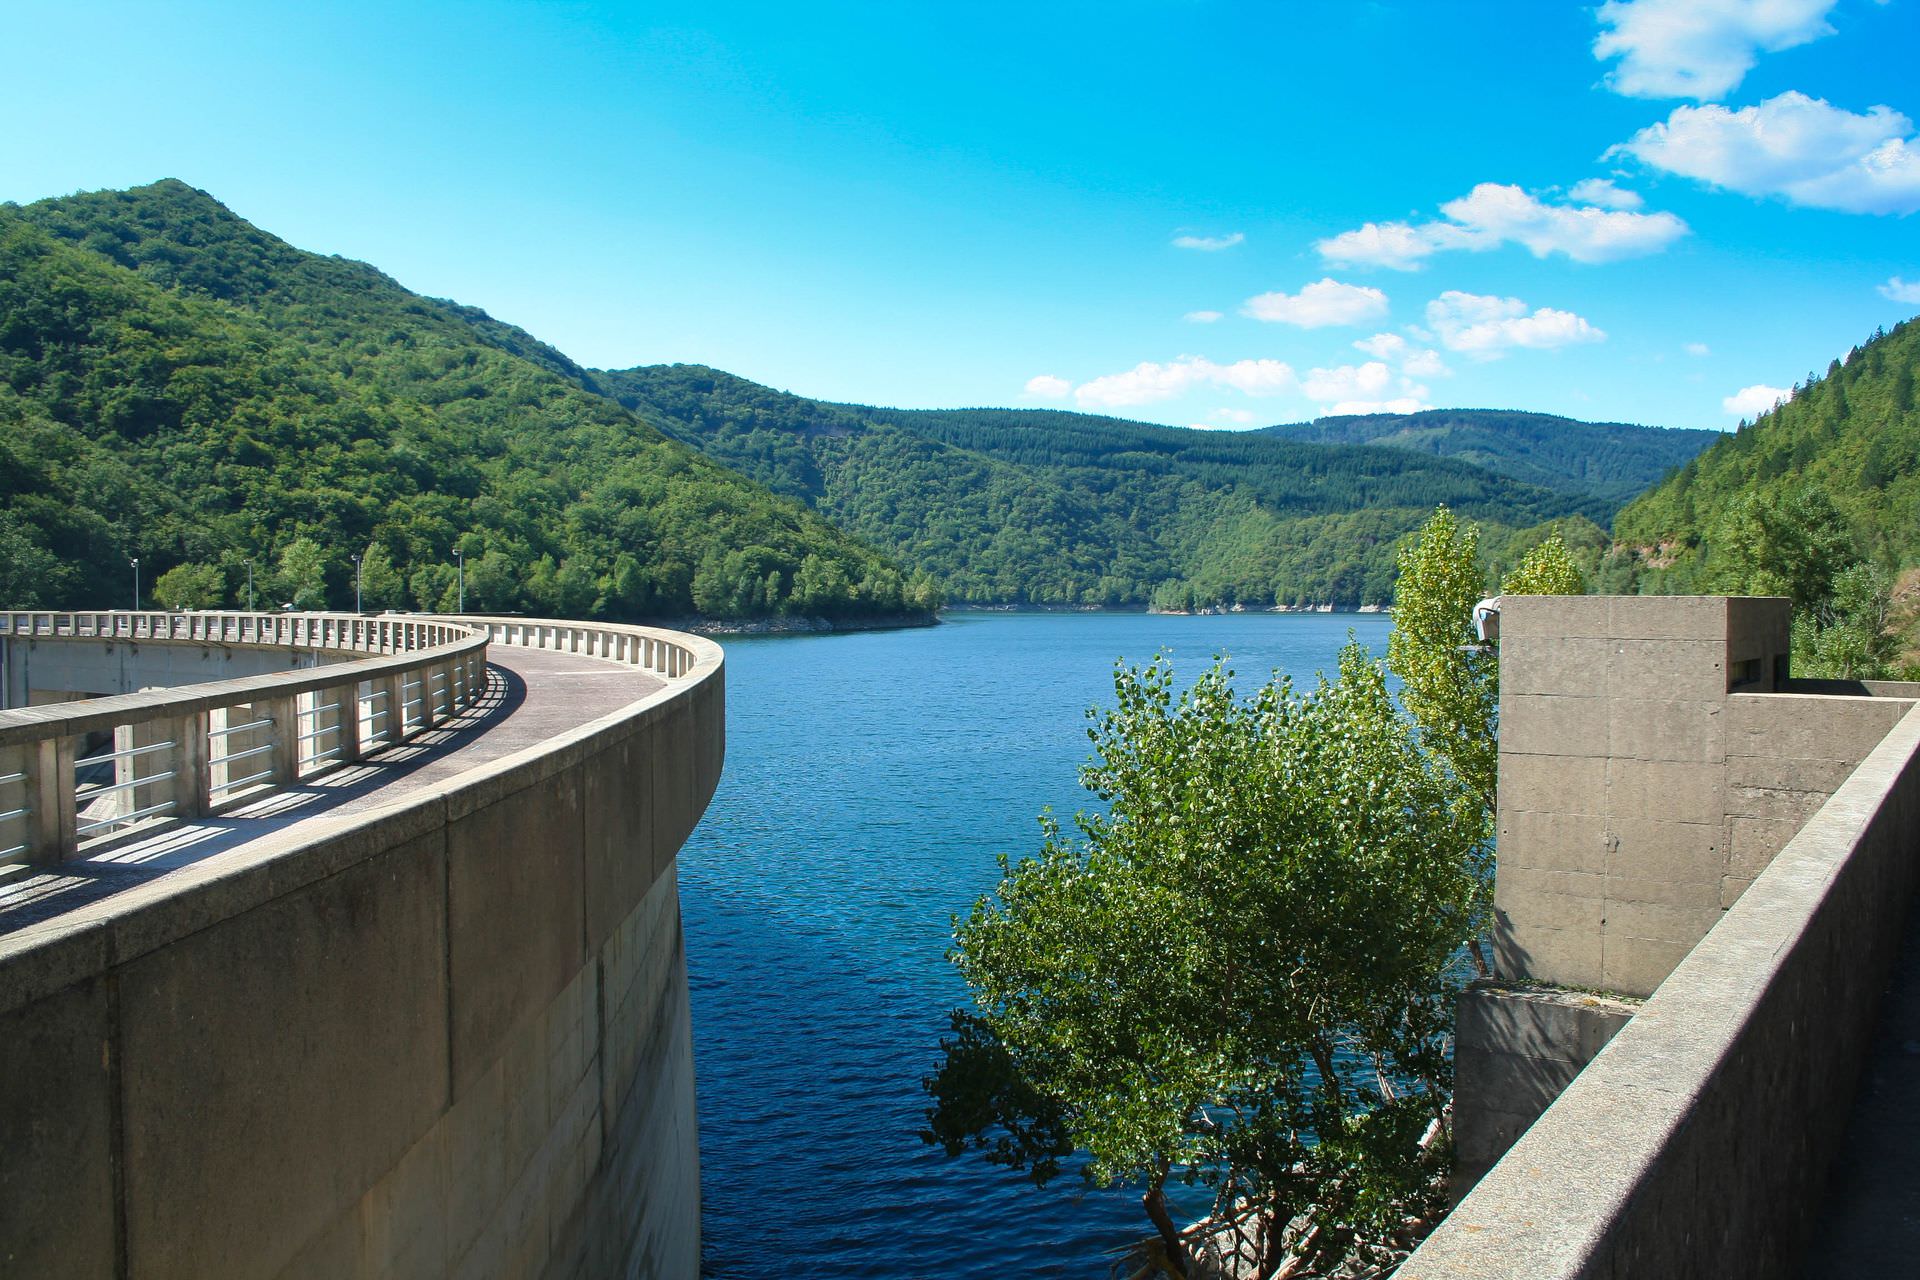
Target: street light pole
column 356, row 584
column 135, row 562
column 249, row 586
column 460, row 568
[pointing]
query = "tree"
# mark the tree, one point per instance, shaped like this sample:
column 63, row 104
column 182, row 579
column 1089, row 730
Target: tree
column 1547, row 570
column 381, row 586
column 302, row 575
column 190, row 586
column 1236, row 976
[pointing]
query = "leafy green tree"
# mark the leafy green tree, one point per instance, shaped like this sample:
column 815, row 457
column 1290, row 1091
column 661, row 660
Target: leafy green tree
column 302, row 574
column 381, row 586
column 1547, row 570
column 190, row 586
column 1235, row 977
column 1847, row 636
column 1450, row 682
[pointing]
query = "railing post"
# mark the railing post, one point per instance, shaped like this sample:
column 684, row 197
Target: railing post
column 347, row 716
column 51, row 825
column 284, row 759
column 192, row 779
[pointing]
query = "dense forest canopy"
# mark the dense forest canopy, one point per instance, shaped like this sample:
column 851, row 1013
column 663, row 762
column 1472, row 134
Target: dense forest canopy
column 1612, row 461
column 1051, row 508
column 177, row 385
column 1816, row 501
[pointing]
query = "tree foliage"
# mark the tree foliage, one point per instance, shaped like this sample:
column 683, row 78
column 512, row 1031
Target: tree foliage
column 1234, row 977
column 179, row 385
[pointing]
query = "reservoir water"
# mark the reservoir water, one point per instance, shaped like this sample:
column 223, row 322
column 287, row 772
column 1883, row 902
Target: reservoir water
column 871, row 780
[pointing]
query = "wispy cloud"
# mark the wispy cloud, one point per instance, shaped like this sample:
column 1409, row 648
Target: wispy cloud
column 1698, row 349
column 1802, row 149
column 1493, row 214
column 1899, row 290
column 1048, row 387
column 1209, row 244
column 1325, row 302
column 1485, row 327
column 1201, row 317
column 1605, row 193
column 1699, row 49
column 1150, row 381
column 1363, row 388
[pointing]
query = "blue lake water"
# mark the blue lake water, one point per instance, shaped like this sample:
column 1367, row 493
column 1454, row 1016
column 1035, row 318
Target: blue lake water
column 870, row 781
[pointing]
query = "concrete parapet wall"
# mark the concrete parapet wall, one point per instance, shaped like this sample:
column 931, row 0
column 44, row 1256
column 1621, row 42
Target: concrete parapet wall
column 1519, row 1047
column 445, row 1038
column 1697, row 1141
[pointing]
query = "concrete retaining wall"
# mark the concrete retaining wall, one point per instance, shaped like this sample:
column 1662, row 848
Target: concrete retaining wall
column 1696, row 1143
column 447, row 1038
column 42, row 669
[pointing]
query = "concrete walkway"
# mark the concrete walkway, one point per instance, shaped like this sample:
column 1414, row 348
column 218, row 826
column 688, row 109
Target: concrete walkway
column 1870, row 1223
column 531, row 696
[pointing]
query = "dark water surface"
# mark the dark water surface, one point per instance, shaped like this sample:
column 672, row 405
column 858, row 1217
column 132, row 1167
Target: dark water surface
column 870, row 781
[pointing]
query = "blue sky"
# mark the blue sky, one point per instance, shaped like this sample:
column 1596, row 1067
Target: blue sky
column 1660, row 211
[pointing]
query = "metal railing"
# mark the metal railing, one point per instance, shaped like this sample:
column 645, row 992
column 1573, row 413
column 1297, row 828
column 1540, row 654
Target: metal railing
column 76, row 774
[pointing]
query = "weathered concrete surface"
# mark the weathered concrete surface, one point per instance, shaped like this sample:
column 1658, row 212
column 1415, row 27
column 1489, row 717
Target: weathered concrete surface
column 1518, row 1048
column 1649, row 769
column 1697, row 1142
column 293, row 1059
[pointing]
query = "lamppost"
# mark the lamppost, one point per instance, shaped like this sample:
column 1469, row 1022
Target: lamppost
column 135, row 562
column 356, row 583
column 249, row 586
column 460, row 569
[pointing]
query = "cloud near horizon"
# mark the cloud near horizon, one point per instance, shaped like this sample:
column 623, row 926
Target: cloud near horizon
column 1699, row 49
column 1494, row 214
column 1150, row 381
column 1048, row 387
column 1325, row 302
column 1363, row 388
column 1804, row 150
column 1209, row 244
column 1484, row 327
column 1751, row 402
column 1201, row 317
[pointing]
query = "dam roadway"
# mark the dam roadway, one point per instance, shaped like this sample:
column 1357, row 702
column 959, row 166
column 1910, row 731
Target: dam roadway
column 531, row 696
column 415, row 1007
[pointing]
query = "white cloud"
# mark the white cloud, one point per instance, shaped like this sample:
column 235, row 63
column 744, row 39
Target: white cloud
column 1699, row 49
column 1486, row 327
column 1751, row 402
column 1415, row 363
column 1048, row 387
column 1363, row 388
column 1209, row 244
column 1148, row 381
column 1201, row 317
column 1799, row 148
column 1323, row 303
column 1899, row 290
column 1603, row 192
column 1239, row 417
column 1493, row 214
column 1698, row 349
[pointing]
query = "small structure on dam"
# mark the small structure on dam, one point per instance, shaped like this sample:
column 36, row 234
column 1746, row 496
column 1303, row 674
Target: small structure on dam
column 264, row 1012
column 1704, row 871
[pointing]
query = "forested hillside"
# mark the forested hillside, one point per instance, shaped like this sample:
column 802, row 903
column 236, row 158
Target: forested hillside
column 1042, row 507
column 177, row 385
column 1612, row 461
column 1816, row 500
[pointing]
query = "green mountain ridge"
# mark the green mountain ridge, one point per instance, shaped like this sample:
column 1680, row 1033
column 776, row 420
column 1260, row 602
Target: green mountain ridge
column 179, row 385
column 1612, row 461
column 1046, row 507
column 1844, row 451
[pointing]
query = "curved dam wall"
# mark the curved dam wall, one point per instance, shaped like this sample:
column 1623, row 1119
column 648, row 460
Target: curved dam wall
column 449, row 1037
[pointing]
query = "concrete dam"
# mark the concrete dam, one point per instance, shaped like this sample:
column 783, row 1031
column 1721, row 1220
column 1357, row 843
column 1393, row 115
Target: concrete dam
column 335, row 945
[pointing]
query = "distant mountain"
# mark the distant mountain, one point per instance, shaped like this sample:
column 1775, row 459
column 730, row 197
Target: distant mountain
column 1842, row 453
column 179, row 385
column 1611, row 461
column 1043, row 507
